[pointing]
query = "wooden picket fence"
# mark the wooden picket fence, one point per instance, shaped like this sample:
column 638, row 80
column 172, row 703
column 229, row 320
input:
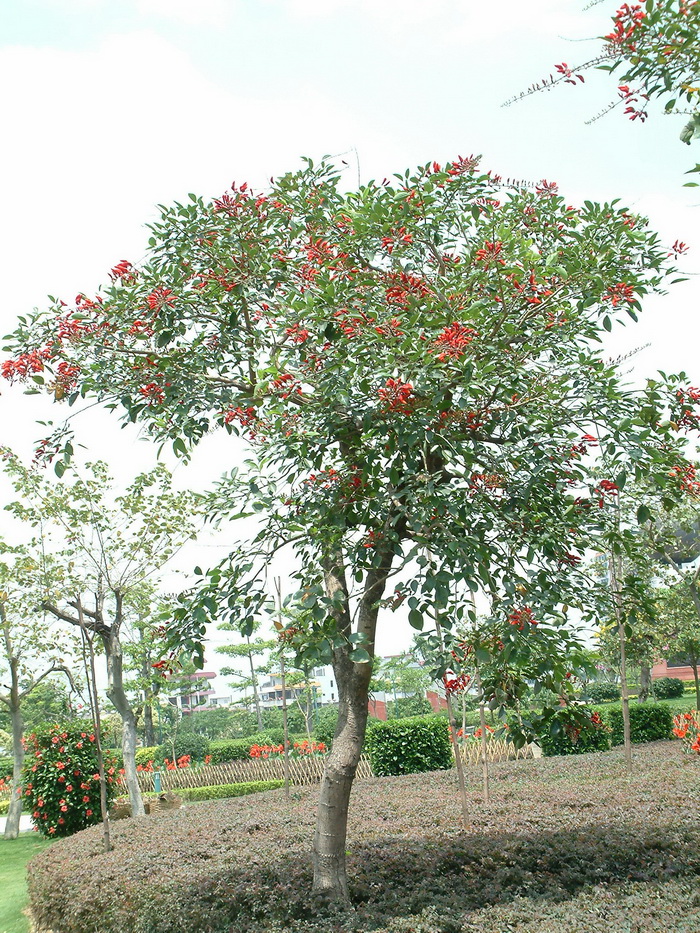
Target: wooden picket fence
column 496, row 750
column 301, row 770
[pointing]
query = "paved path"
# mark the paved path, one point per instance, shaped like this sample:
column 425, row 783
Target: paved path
column 25, row 823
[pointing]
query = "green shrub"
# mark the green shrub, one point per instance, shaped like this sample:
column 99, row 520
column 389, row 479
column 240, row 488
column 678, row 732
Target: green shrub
column 6, row 766
column 599, row 693
column 324, row 730
column 407, row 746
column 187, row 743
column 668, row 688
column 239, row 749
column 562, row 742
column 220, row 791
column 60, row 779
column 649, row 722
column 403, row 707
column 148, row 753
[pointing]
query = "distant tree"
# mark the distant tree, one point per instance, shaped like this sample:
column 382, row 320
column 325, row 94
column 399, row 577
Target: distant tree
column 96, row 551
column 31, row 650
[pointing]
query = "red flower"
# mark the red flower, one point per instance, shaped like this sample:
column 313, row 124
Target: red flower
column 490, row 253
column 454, row 340
column 398, row 396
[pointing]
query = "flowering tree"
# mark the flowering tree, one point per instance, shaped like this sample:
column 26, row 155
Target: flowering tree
column 416, row 368
column 654, row 48
column 93, row 556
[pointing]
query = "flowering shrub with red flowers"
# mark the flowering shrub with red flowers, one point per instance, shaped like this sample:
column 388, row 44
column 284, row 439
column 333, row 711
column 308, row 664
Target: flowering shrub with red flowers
column 686, row 726
column 61, row 780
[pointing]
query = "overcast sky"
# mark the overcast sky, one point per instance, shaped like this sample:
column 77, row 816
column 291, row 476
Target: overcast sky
column 112, row 106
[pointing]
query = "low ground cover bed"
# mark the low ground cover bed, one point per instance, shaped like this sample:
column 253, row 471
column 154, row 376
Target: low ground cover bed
column 566, row 843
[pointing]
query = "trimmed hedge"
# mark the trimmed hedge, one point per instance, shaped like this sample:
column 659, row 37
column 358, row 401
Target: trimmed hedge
column 589, row 740
column 408, row 746
column 239, row 749
column 146, row 754
column 6, row 766
column 221, row 791
column 599, row 693
column 668, row 688
column 187, row 743
column 553, row 853
column 649, row 722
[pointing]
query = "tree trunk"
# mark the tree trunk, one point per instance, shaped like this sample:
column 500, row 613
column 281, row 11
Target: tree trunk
column 330, row 877
column 120, row 701
column 17, row 799
column 694, row 665
column 644, row 683
column 149, row 732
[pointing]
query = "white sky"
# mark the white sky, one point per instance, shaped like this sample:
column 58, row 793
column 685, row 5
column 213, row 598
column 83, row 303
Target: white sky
column 111, row 106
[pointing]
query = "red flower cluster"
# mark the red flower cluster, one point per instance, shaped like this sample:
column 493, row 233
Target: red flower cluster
column 123, row 272
column 626, row 22
column 686, row 397
column 630, row 97
column 619, row 292
column 400, row 236
column 405, row 286
column 454, row 340
column 183, row 761
column 568, row 74
column 522, row 617
column 398, row 396
column 455, row 683
column 160, row 298
column 687, row 479
column 244, row 416
column 686, row 726
column 490, row 253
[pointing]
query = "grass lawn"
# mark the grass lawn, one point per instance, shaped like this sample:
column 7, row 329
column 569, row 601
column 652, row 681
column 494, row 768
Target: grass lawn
column 14, row 856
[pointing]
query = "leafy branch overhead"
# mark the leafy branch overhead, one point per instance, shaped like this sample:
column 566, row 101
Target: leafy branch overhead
column 654, row 49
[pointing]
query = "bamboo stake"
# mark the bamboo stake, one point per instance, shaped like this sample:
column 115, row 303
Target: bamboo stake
column 484, row 740
column 92, row 692
column 285, row 721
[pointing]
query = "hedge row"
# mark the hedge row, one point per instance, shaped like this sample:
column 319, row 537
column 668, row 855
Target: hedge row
column 221, row 791
column 408, row 746
column 649, row 722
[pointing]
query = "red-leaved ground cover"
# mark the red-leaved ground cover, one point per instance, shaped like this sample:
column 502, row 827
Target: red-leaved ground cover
column 567, row 844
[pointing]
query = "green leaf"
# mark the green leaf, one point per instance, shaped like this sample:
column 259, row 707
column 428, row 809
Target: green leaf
column 607, row 323
column 643, row 514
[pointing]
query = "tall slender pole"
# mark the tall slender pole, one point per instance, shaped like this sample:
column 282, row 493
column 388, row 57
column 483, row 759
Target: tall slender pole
column 92, row 692
column 285, row 721
column 484, row 739
column 453, row 732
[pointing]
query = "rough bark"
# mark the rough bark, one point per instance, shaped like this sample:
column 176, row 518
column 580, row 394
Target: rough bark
column 644, row 683
column 120, row 701
column 330, row 876
column 696, row 676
